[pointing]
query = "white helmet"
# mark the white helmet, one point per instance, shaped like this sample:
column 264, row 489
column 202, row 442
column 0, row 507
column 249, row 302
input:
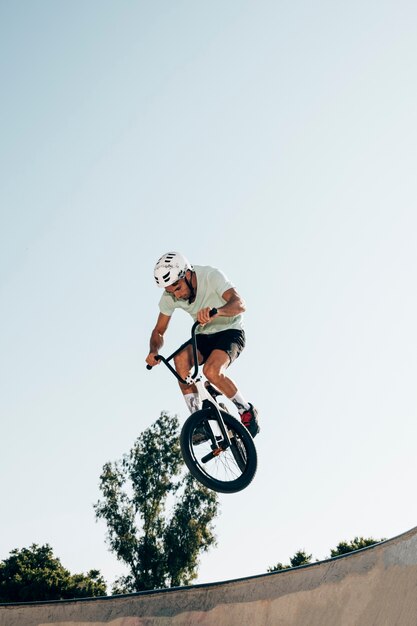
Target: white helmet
column 171, row 267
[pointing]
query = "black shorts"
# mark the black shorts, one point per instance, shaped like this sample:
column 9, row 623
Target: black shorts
column 230, row 341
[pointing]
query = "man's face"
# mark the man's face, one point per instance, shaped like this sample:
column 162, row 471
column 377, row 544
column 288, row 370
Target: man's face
column 179, row 290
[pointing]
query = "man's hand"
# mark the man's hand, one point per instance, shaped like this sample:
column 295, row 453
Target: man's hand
column 151, row 360
column 203, row 316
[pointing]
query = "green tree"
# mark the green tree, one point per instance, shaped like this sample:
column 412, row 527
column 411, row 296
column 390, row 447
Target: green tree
column 159, row 519
column 344, row 547
column 300, row 558
column 34, row 574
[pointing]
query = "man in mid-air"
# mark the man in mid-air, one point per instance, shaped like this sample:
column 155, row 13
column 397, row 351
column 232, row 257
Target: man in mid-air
column 220, row 339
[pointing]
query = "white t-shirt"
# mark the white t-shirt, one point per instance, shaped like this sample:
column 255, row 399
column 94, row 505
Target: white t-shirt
column 211, row 285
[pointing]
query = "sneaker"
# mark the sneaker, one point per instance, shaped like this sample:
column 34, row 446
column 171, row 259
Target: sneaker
column 250, row 419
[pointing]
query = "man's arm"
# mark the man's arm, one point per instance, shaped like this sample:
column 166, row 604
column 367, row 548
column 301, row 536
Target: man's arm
column 234, row 306
column 157, row 339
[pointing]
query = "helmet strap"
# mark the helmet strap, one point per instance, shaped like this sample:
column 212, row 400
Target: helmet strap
column 189, row 284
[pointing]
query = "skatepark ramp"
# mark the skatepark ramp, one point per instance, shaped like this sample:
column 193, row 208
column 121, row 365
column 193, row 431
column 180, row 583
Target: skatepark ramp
column 376, row 586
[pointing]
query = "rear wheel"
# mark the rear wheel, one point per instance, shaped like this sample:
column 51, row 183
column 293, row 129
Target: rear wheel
column 223, row 470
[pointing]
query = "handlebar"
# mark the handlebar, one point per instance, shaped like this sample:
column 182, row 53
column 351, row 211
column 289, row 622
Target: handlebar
column 191, row 341
column 157, row 358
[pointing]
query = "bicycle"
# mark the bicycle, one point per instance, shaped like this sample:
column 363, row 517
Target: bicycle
column 217, row 448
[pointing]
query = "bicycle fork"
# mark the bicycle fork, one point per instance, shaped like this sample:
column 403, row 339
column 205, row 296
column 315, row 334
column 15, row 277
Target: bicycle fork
column 217, row 447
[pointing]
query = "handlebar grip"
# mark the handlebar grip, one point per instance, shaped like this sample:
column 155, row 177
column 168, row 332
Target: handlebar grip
column 158, row 358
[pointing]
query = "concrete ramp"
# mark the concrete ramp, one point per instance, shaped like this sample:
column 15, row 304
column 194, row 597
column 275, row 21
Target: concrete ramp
column 376, row 586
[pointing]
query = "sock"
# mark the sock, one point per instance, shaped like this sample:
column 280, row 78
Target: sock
column 192, row 400
column 240, row 403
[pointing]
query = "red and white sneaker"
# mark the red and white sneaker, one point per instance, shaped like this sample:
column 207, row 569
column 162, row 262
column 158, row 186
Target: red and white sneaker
column 250, row 419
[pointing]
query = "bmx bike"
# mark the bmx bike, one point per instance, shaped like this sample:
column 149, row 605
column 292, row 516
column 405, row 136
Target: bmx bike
column 217, row 448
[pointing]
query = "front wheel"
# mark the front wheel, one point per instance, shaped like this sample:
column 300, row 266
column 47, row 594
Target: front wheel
column 224, row 470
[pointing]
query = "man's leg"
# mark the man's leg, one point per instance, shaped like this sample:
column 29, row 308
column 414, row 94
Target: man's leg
column 183, row 364
column 214, row 370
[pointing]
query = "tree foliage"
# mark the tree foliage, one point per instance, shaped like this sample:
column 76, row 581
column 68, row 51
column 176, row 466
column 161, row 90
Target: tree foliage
column 344, row 547
column 159, row 519
column 300, row 558
column 34, row 574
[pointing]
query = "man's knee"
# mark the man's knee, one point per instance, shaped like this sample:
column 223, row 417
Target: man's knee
column 211, row 372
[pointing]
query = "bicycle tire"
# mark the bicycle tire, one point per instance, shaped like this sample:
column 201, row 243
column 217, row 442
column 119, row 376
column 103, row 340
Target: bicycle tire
column 230, row 470
column 239, row 453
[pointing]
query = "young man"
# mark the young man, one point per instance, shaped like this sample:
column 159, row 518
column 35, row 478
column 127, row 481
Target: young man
column 220, row 339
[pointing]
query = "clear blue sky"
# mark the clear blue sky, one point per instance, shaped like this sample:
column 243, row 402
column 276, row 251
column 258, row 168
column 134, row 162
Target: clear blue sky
column 274, row 140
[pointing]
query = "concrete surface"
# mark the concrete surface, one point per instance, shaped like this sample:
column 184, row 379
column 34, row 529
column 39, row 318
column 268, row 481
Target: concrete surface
column 374, row 586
